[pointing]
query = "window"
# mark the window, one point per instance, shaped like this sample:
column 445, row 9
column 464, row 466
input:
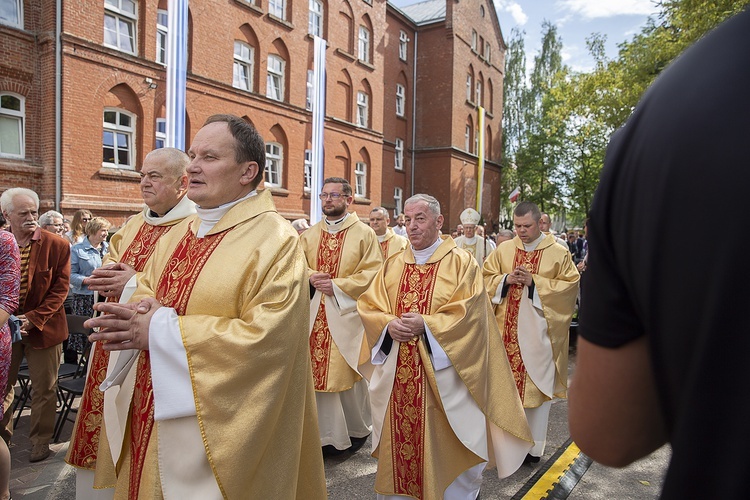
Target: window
column 277, row 8
column 403, row 44
column 360, row 179
column 120, row 17
column 243, row 66
column 487, row 52
column 161, row 133
column 468, row 87
column 400, row 99
column 161, row 36
column 478, row 100
column 117, row 139
column 275, row 80
column 315, row 21
column 12, row 117
column 399, row 154
column 308, row 169
column 11, row 13
column 476, row 142
column 274, row 161
column 398, row 199
column 310, row 87
column 473, row 40
column 362, row 111
column 364, row 44
column 467, row 138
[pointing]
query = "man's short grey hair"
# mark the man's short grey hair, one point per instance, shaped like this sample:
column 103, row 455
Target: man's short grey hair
column 176, row 160
column 506, row 233
column 46, row 218
column 6, row 199
column 382, row 211
column 431, row 201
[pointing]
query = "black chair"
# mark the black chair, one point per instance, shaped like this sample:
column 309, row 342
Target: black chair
column 69, row 389
column 24, row 395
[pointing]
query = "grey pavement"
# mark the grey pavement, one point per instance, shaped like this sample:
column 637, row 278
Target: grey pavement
column 352, row 476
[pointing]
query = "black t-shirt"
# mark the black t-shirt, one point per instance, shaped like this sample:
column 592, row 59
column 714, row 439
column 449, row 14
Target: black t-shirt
column 670, row 257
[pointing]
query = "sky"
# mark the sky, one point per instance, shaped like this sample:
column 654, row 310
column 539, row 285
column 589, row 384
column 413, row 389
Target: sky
column 576, row 20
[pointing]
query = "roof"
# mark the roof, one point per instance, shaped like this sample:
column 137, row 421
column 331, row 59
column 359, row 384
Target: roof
column 425, row 12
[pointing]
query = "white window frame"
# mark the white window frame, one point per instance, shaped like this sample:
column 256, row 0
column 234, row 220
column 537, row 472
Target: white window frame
column 243, row 61
column 17, row 22
column 309, row 89
column 274, row 164
column 399, row 156
column 162, row 32
column 476, row 142
column 18, row 116
column 113, row 9
column 487, row 52
column 478, row 95
column 360, row 179
column 307, row 170
column 315, row 19
column 474, row 40
column 160, row 133
column 403, row 45
column 277, row 8
column 400, row 99
column 469, row 87
column 398, row 200
column 363, row 47
column 275, row 77
column 363, row 109
column 467, row 138
column 118, row 129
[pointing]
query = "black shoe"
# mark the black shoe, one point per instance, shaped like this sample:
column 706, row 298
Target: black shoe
column 531, row 459
column 331, row 451
column 357, row 443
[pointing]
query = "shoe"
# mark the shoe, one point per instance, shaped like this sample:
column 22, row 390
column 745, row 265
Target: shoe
column 531, row 459
column 39, row 452
column 331, row 451
column 357, row 443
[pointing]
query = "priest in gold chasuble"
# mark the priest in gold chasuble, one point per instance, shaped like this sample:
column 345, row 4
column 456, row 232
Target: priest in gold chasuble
column 163, row 186
column 390, row 242
column 533, row 283
column 222, row 405
column 444, row 405
column 343, row 256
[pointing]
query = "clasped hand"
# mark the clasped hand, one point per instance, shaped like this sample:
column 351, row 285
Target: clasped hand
column 406, row 328
column 123, row 326
column 519, row 276
column 322, row 282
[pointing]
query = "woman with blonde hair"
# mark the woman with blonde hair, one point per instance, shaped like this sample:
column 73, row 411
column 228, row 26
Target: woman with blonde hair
column 78, row 226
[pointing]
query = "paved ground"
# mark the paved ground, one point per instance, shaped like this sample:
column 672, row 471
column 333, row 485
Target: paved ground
column 352, row 476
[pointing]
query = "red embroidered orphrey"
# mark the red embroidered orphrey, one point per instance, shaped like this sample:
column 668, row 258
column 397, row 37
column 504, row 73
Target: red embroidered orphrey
column 329, row 259
column 530, row 260
column 384, row 248
column 407, row 402
column 173, row 290
column 85, row 439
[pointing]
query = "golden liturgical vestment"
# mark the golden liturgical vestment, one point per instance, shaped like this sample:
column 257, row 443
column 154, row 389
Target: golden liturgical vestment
column 391, row 243
column 424, row 435
column 535, row 335
column 242, row 296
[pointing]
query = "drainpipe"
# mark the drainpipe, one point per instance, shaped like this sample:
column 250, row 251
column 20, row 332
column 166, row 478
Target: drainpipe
column 414, row 112
column 58, row 104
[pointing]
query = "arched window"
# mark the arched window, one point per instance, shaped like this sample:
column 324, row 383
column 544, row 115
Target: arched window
column 316, row 17
column 120, row 21
column 363, row 109
column 360, row 179
column 275, row 79
column 117, row 139
column 274, row 163
column 12, row 125
column 244, row 55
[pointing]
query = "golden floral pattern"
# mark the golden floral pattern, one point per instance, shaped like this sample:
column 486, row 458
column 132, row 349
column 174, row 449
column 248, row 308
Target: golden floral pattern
column 530, row 260
column 407, row 402
column 329, row 259
column 384, row 248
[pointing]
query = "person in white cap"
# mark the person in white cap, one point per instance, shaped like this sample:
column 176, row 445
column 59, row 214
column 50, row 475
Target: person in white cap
column 470, row 240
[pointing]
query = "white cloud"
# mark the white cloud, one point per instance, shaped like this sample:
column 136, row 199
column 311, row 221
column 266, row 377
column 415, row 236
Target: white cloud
column 592, row 9
column 515, row 10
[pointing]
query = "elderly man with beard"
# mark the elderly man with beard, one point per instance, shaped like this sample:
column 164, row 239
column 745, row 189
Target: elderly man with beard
column 443, row 402
column 45, row 277
column 343, row 256
column 163, row 188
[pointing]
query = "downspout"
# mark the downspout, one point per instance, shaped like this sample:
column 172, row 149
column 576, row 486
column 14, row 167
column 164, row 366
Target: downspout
column 58, row 104
column 413, row 112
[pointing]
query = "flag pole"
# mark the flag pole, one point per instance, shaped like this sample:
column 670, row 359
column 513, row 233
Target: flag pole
column 177, row 28
column 318, row 126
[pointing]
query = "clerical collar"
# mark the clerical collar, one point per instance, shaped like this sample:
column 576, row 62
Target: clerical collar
column 530, row 247
column 210, row 216
column 381, row 239
column 335, row 226
column 422, row 256
column 178, row 212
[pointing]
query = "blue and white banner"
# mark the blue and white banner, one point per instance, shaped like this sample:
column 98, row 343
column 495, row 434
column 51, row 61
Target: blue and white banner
column 318, row 125
column 177, row 34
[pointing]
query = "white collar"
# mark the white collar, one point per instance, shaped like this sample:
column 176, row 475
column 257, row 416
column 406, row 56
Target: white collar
column 422, row 256
column 532, row 246
column 210, row 216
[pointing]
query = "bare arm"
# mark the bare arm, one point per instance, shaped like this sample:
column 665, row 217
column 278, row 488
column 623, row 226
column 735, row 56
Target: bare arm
column 613, row 409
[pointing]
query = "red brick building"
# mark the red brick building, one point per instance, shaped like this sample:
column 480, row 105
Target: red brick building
column 395, row 124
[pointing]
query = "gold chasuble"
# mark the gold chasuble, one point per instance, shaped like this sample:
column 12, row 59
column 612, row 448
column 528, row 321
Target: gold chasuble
column 352, row 257
column 420, row 436
column 391, row 243
column 525, row 332
column 241, row 295
column 138, row 239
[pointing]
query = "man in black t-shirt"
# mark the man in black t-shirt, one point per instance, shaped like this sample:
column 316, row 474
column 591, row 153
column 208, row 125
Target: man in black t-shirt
column 664, row 333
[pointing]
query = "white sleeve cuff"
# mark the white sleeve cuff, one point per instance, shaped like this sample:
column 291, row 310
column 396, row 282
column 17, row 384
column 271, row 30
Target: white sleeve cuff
column 498, row 298
column 346, row 303
column 170, row 375
column 440, row 360
column 378, row 357
column 536, row 301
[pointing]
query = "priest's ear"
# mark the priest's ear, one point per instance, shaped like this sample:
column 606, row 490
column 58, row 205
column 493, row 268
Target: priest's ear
column 252, row 175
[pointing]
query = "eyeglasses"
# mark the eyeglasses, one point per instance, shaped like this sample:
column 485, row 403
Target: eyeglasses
column 333, row 196
column 84, row 220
